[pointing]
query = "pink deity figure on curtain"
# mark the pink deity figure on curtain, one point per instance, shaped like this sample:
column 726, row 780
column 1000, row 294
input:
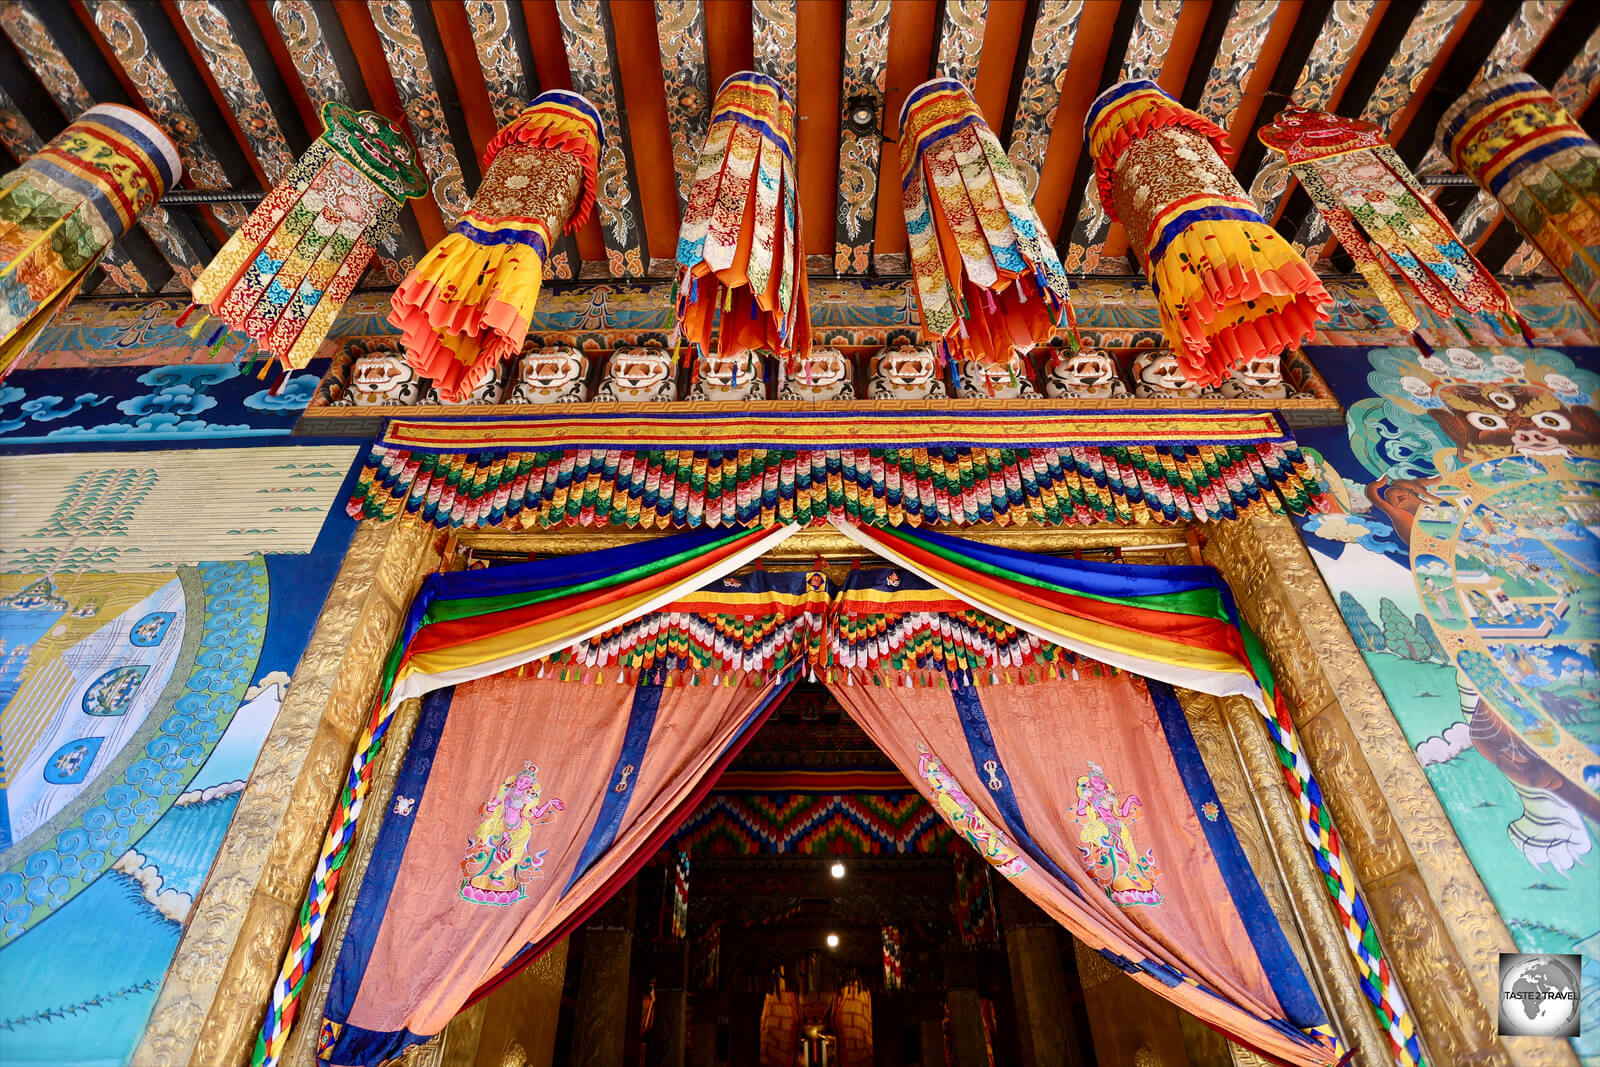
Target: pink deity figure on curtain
column 380, row 377
column 820, row 374
column 905, row 372
column 730, row 376
column 1258, row 378
column 644, row 373
column 1128, row 878
column 1083, row 375
column 558, row 374
column 499, row 864
column 996, row 381
column 965, row 818
column 1158, row 375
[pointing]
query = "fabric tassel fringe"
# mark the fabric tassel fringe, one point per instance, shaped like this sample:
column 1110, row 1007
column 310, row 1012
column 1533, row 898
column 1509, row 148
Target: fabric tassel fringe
column 1228, row 287
column 466, row 307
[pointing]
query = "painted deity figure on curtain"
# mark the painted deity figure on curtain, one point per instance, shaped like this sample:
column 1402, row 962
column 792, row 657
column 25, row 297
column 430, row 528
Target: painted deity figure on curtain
column 1481, row 483
column 961, row 813
column 499, row 862
column 1127, row 876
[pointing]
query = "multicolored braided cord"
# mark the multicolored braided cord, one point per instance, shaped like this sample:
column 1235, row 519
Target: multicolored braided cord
column 302, row 953
column 1316, row 821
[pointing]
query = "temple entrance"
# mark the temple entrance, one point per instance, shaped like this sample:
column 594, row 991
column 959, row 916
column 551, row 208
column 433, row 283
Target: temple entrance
column 815, row 911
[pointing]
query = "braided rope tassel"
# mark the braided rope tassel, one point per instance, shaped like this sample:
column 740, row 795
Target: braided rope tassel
column 302, row 951
column 1317, row 823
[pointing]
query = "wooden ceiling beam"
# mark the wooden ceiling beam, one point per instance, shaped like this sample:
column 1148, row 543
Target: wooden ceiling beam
column 863, row 65
column 587, row 33
column 681, row 37
column 961, row 28
column 911, row 48
column 1037, row 86
column 644, row 100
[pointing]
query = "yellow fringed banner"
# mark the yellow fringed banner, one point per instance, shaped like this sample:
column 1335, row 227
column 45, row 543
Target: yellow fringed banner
column 1228, row 287
column 467, row 306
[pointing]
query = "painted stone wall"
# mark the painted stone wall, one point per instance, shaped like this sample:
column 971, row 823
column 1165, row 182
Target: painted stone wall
column 1466, row 562
column 164, row 553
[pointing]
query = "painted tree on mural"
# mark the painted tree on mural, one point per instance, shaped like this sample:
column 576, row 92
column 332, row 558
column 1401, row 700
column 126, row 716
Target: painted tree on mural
column 1368, row 635
column 1425, row 628
column 1400, row 633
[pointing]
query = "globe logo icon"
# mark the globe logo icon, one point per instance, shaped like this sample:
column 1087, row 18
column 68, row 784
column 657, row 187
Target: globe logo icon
column 1538, row 995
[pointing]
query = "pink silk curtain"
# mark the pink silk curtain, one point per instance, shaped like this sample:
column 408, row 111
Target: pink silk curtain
column 1070, row 788
column 574, row 767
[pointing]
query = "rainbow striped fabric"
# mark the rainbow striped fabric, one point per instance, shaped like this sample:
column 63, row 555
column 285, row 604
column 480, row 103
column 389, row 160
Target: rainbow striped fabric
column 65, row 206
column 1520, row 145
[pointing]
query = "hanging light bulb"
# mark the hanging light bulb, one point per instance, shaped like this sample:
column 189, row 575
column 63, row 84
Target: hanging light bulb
column 837, row 870
column 833, row 940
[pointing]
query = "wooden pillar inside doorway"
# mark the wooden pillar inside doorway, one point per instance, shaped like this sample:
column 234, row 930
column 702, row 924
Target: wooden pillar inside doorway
column 1045, row 1022
column 969, row 1047
column 600, row 1029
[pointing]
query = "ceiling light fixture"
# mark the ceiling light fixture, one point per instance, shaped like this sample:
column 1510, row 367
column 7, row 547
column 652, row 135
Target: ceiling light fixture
column 837, row 870
column 833, row 940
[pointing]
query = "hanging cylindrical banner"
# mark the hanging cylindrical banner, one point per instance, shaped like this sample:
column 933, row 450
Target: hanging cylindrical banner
column 284, row 275
column 1519, row 144
column 64, row 207
column 466, row 307
column 1371, row 201
column 741, row 260
column 1228, row 287
column 986, row 276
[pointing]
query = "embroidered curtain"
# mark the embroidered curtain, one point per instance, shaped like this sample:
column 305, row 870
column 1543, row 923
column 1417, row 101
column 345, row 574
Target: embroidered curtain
column 1085, row 789
column 525, row 800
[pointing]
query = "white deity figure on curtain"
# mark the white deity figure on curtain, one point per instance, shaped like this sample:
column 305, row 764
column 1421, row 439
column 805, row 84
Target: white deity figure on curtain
column 1158, row 376
column 556, row 374
column 822, row 374
column 500, row 862
column 905, row 372
column 380, row 377
column 643, row 373
column 1087, row 374
column 988, row 381
column 730, row 377
column 1258, row 378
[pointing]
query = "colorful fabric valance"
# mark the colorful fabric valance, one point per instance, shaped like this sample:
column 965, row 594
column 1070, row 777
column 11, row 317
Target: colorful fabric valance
column 466, row 307
column 978, row 465
column 742, row 262
column 1228, row 287
column 284, row 275
column 64, row 207
column 1519, row 144
column 986, row 276
column 1374, row 206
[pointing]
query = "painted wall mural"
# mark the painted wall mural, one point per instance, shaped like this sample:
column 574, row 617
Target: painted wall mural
column 1466, row 562
column 147, row 637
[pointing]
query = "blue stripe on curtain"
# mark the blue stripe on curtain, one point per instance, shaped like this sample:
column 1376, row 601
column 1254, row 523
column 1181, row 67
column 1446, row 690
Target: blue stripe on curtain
column 1266, row 935
column 624, row 776
column 980, row 742
column 373, row 901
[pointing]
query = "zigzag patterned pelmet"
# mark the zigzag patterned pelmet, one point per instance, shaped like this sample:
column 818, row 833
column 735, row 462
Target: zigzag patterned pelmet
column 692, row 641
column 768, row 824
column 969, row 641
